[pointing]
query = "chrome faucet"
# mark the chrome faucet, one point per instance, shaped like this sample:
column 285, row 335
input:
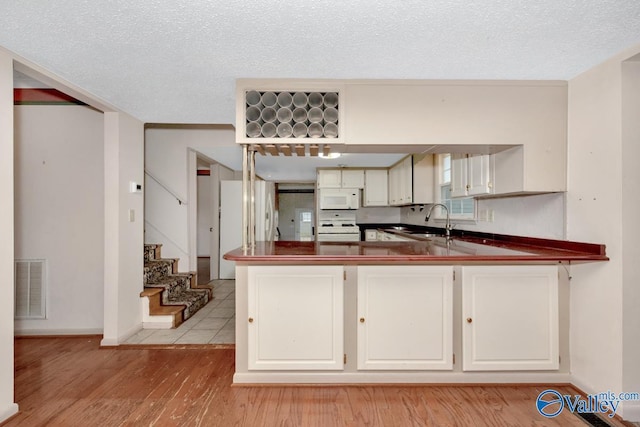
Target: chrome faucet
column 447, row 227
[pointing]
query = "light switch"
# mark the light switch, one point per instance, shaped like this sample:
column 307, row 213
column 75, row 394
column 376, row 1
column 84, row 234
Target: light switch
column 132, row 215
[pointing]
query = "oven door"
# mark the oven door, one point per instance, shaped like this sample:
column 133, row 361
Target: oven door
column 338, row 237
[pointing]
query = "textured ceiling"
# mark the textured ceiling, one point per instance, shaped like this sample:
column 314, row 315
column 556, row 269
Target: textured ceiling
column 177, row 61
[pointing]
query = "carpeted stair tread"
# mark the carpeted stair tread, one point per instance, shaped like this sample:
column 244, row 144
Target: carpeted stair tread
column 170, row 292
column 193, row 299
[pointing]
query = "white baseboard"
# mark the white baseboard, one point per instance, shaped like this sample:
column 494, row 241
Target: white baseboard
column 630, row 411
column 397, row 377
column 113, row 342
column 31, row 332
column 157, row 325
column 9, row 411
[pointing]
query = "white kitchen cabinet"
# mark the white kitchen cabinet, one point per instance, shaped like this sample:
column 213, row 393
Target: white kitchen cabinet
column 471, row 174
column 423, row 178
column 376, row 187
column 401, row 182
column 405, row 319
column 329, row 178
column 371, row 235
column 340, row 178
column 510, row 318
column 295, row 317
column 353, row 178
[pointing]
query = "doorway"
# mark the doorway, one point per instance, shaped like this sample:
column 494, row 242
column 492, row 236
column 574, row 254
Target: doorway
column 296, row 207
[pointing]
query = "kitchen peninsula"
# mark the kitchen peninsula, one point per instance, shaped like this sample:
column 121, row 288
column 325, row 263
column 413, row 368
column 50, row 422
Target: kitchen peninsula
column 473, row 308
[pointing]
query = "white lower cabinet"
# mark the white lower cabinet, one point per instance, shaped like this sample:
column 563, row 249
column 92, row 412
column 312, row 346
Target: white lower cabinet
column 295, row 317
column 405, row 317
column 510, row 318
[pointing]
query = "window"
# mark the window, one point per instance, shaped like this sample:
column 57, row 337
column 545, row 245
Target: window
column 459, row 207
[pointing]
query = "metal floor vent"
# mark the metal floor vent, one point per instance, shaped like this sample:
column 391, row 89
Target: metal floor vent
column 30, row 289
column 593, row 420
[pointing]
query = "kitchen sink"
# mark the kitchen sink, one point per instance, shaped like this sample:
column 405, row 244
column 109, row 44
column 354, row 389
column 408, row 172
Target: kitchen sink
column 426, row 235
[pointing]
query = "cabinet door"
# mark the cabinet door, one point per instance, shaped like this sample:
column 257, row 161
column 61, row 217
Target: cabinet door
column 375, row 187
column 394, row 186
column 329, row 178
column 459, row 175
column 479, row 175
column 371, row 235
column 405, row 317
column 295, row 317
column 510, row 318
column 406, row 181
column 353, row 178
column 424, row 174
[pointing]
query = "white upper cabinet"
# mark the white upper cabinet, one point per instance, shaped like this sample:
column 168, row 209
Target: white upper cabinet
column 376, row 187
column 329, row 178
column 401, row 182
column 471, row 175
column 340, row 178
column 423, row 178
column 353, row 178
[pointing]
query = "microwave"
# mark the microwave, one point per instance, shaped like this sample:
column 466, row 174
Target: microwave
column 339, row 198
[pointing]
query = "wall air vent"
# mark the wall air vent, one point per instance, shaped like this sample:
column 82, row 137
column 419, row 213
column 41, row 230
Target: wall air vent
column 270, row 114
column 30, row 289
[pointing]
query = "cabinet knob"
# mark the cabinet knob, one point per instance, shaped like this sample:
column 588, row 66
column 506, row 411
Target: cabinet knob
column 250, row 319
column 362, row 320
column 469, row 320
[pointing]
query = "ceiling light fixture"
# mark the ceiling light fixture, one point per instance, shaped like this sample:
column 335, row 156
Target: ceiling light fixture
column 329, row 156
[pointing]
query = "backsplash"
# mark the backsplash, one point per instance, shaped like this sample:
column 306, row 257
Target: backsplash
column 533, row 216
column 389, row 215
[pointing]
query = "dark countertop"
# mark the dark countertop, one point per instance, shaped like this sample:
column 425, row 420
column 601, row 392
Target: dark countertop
column 462, row 248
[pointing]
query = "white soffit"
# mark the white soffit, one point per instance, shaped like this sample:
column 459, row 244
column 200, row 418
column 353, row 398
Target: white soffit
column 177, row 62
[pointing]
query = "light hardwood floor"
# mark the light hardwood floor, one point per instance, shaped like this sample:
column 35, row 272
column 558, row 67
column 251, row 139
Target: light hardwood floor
column 72, row 382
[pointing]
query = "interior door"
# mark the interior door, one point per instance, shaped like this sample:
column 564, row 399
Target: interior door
column 230, row 224
column 304, row 225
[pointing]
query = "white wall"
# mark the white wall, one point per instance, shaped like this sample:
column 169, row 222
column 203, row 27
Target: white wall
column 601, row 203
column 205, row 215
column 631, row 225
column 124, row 251
column 7, row 405
column 218, row 173
column 374, row 215
column 533, row 216
column 59, row 212
column 167, row 158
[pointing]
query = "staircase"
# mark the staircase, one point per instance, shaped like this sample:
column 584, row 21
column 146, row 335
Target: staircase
column 169, row 292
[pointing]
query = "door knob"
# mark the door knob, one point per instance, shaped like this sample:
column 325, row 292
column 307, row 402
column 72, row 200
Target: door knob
column 469, row 320
column 250, row 319
column 362, row 320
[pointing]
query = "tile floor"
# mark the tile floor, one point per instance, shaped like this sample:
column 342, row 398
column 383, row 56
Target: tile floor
column 215, row 323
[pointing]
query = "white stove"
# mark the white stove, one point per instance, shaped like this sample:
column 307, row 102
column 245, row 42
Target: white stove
column 338, row 227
